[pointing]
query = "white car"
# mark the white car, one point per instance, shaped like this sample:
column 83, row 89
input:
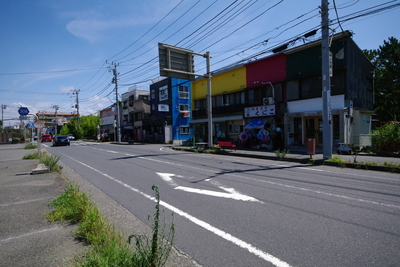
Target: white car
column 71, row 137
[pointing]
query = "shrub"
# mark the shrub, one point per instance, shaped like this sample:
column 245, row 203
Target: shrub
column 387, row 137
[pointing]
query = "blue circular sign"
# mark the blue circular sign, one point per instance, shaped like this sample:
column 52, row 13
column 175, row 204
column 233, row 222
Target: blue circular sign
column 23, row 111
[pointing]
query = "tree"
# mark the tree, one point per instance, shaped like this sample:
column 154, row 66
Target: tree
column 88, row 127
column 387, row 84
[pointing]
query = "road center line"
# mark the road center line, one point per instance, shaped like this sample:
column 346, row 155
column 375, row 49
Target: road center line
column 250, row 248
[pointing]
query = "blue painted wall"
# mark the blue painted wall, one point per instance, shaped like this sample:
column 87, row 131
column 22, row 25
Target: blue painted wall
column 173, row 101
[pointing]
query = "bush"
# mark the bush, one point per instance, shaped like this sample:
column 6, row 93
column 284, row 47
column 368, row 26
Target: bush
column 387, row 137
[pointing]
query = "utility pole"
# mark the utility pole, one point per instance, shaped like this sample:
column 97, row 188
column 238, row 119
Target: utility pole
column 2, row 115
column 209, row 100
column 55, row 120
column 326, row 82
column 76, row 92
column 115, row 80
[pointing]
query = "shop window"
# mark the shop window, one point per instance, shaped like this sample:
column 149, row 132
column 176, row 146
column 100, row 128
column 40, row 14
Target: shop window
column 138, row 116
column 278, row 92
column 311, row 87
column 234, row 128
column 338, row 83
column 184, row 129
column 336, row 127
column 200, row 104
column 292, row 90
column 297, row 133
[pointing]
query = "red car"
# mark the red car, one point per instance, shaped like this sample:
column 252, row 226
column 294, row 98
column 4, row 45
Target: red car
column 46, row 138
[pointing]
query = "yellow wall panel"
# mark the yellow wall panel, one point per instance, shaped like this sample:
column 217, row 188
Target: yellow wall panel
column 231, row 80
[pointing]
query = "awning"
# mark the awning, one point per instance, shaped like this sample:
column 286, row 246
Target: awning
column 255, row 124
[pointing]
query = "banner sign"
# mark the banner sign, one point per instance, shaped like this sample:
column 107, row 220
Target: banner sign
column 260, row 111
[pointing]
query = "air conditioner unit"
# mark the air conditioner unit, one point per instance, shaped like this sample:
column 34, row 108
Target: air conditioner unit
column 185, row 114
column 268, row 101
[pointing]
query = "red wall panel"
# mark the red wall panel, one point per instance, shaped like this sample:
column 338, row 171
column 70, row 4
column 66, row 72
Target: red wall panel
column 271, row 69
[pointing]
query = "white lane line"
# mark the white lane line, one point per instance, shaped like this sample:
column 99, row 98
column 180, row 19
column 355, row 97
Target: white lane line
column 321, row 192
column 28, row 234
column 288, row 186
column 24, row 202
column 250, row 248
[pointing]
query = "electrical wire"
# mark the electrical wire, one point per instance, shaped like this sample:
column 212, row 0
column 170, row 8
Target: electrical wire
column 337, row 15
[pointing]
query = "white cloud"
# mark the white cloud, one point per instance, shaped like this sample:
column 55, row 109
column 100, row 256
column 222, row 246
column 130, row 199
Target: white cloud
column 67, row 89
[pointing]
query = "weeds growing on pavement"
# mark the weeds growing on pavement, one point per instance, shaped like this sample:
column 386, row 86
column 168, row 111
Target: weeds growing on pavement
column 49, row 161
column 30, row 146
column 108, row 247
column 31, row 156
column 337, row 159
column 281, row 154
column 154, row 252
column 52, row 162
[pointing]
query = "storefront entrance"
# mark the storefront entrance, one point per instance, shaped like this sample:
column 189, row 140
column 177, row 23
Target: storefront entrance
column 313, row 129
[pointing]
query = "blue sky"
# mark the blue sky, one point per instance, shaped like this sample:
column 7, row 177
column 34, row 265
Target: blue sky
column 50, row 48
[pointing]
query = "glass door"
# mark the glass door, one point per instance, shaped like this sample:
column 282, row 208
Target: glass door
column 313, row 129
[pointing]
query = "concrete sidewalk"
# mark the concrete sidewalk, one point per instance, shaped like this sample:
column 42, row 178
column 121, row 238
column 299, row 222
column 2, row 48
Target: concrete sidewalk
column 26, row 239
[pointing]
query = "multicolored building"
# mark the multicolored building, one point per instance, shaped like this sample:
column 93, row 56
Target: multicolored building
column 276, row 101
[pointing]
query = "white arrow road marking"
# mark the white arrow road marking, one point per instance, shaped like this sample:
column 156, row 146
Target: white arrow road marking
column 232, row 193
column 238, row 242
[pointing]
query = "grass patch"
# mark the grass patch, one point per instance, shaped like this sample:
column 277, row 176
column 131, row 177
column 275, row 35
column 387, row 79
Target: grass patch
column 30, row 146
column 108, row 247
column 31, row 156
column 370, row 163
column 341, row 162
column 52, row 162
column 281, row 154
column 49, row 161
column 390, row 164
column 337, row 159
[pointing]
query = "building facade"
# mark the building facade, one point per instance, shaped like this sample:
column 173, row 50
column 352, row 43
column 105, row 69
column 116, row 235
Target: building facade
column 53, row 121
column 276, row 102
column 170, row 111
column 136, row 107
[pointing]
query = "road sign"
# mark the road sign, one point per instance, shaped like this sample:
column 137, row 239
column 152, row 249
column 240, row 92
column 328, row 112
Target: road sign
column 39, row 124
column 23, row 118
column 176, row 62
column 31, row 125
column 23, row 111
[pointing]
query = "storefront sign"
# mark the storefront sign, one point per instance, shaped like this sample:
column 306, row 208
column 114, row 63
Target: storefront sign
column 163, row 107
column 163, row 93
column 107, row 120
column 260, row 111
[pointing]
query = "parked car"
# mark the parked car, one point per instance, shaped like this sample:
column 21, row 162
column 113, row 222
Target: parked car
column 71, row 136
column 61, row 140
column 46, row 138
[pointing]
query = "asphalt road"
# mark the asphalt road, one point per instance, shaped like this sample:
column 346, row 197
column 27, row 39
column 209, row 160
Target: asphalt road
column 232, row 211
